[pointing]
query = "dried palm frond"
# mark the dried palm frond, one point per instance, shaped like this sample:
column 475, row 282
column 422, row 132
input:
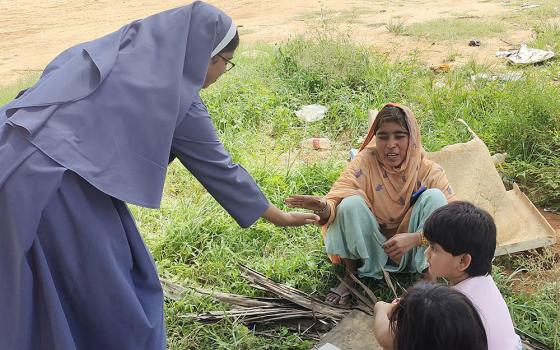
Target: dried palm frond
column 291, row 308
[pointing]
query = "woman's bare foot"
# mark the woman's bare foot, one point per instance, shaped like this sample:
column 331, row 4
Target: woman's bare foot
column 341, row 295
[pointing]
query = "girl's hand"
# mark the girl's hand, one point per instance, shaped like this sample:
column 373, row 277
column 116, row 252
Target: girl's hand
column 384, row 308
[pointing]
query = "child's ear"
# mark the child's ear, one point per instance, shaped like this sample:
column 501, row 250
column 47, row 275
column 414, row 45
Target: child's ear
column 465, row 262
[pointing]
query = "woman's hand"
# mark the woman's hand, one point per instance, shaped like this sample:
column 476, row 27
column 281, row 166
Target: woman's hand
column 400, row 244
column 280, row 218
column 314, row 203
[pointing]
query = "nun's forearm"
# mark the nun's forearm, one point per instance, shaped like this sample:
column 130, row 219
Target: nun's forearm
column 281, row 218
column 274, row 215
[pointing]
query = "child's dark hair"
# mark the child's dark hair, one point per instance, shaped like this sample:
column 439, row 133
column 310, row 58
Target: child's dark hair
column 390, row 114
column 232, row 45
column 462, row 228
column 437, row 317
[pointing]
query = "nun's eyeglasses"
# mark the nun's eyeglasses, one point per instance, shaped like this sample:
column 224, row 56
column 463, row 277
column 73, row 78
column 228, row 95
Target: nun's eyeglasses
column 229, row 64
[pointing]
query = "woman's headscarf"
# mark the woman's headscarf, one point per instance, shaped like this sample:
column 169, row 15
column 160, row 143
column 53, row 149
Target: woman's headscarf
column 107, row 109
column 387, row 190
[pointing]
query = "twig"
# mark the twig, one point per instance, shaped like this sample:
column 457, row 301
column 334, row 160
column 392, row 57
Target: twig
column 473, row 134
column 502, row 40
column 355, row 292
column 292, row 294
column 368, row 291
column 388, row 280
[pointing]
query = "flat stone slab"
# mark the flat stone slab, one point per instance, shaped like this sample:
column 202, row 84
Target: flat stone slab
column 354, row 332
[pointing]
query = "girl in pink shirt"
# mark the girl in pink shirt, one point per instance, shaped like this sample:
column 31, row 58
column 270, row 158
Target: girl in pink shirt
column 462, row 242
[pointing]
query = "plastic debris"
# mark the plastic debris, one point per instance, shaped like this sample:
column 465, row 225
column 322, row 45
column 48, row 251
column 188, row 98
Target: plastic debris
column 499, row 158
column 329, row 346
column 509, row 76
column 439, row 84
column 317, row 143
column 372, row 113
column 526, row 6
column 505, row 53
column 442, row 68
column 526, row 55
column 474, row 42
column 311, row 113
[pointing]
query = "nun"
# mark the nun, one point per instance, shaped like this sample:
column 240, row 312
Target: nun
column 95, row 132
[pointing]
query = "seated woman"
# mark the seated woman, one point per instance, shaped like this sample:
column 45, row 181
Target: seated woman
column 374, row 213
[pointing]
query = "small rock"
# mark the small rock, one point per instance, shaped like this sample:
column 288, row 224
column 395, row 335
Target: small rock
column 474, row 42
column 317, row 143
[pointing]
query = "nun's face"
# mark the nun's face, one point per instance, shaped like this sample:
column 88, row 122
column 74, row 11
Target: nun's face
column 217, row 66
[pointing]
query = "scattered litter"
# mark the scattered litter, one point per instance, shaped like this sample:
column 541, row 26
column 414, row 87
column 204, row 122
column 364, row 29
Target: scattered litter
column 552, row 210
column 526, row 7
column 372, row 114
column 316, row 143
column 526, row 55
column 505, row 53
column 442, row 68
column 311, row 113
column 353, row 153
column 439, row 84
column 499, row 158
column 509, row 76
column 474, row 42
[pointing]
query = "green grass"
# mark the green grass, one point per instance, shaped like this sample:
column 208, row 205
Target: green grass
column 194, row 242
column 396, row 26
column 9, row 91
column 548, row 36
column 351, row 15
column 457, row 29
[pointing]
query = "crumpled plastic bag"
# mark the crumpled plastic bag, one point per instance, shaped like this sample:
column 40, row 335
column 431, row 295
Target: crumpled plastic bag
column 311, row 113
column 526, row 55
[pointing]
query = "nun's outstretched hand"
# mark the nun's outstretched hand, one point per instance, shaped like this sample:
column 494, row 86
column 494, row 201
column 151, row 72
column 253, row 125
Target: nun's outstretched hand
column 281, row 218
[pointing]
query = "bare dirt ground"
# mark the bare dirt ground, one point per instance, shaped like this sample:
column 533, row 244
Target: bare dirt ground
column 33, row 32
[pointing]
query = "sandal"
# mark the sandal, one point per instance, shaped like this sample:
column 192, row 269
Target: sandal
column 344, row 296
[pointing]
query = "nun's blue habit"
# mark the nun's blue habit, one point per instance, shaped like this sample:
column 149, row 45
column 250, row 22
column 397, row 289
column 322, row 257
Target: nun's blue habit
column 97, row 131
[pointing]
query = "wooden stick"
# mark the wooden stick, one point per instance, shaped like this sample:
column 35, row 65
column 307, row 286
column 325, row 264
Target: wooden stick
column 368, row 291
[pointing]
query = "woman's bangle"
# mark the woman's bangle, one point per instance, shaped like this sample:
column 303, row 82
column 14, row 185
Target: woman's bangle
column 423, row 241
column 322, row 210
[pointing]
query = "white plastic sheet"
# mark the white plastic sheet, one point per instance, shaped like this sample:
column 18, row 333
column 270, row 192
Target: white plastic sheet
column 311, row 113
